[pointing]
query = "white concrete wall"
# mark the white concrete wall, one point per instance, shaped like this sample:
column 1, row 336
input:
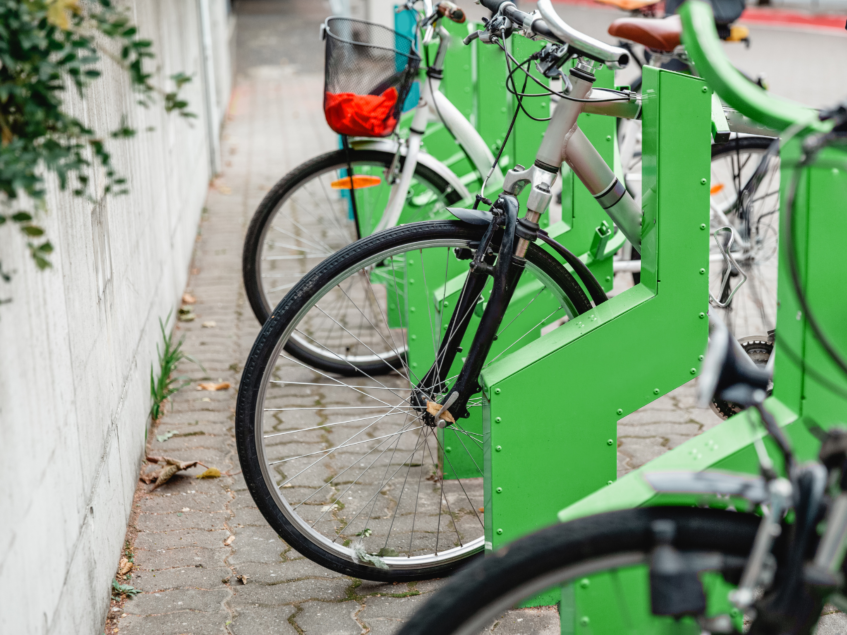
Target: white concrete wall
column 78, row 340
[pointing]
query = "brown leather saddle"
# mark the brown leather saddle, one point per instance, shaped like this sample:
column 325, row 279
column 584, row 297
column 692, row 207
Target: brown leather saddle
column 656, row 34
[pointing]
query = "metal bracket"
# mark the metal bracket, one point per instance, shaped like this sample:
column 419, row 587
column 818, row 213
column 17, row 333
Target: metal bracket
column 730, row 265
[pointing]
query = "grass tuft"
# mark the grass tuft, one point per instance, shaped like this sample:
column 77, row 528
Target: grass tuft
column 169, row 358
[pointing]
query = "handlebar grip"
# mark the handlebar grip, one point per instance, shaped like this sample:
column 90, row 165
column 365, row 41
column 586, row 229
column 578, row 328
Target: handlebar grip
column 451, row 11
column 492, row 5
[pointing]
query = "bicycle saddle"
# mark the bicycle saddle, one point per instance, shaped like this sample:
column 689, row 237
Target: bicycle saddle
column 630, row 5
column 659, row 35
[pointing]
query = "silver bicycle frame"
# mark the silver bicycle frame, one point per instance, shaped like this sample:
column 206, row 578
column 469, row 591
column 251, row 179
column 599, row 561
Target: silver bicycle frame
column 564, row 142
column 434, row 105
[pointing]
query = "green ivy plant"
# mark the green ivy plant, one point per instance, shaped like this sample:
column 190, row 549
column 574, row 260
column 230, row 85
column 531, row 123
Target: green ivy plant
column 48, row 48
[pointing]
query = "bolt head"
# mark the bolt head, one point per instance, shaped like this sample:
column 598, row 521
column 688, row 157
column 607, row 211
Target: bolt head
column 414, row 337
column 702, row 316
column 655, row 391
column 705, row 89
column 448, row 449
column 608, row 137
column 702, row 271
column 584, row 583
column 584, row 621
column 497, row 391
column 499, row 448
column 620, row 411
column 609, row 483
column 499, row 532
column 702, row 181
column 499, row 490
column 498, row 420
column 610, row 442
column 702, row 225
column 693, row 371
column 700, row 358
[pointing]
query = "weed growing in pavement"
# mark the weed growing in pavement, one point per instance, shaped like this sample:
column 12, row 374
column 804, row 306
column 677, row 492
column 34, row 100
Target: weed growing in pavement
column 166, row 384
column 119, row 589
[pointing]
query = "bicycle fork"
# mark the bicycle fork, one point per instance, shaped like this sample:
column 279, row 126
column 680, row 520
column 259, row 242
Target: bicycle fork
column 506, row 273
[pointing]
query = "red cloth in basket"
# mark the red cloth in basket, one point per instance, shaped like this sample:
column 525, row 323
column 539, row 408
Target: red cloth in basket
column 361, row 115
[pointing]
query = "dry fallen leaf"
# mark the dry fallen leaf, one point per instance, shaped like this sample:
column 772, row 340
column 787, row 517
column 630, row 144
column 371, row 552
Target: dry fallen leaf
column 187, row 298
column 228, row 541
column 213, row 386
column 124, row 567
column 171, row 467
column 212, row 472
column 209, row 325
column 242, row 578
column 482, row 510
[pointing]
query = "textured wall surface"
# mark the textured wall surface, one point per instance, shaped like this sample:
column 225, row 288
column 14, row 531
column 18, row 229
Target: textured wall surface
column 77, row 341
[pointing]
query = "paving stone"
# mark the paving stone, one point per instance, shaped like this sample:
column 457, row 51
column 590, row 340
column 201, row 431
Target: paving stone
column 834, row 623
column 185, row 577
column 171, row 558
column 286, row 571
column 256, row 544
column 328, row 618
column 287, row 592
column 247, row 514
column 252, row 621
column 176, row 600
column 181, row 539
column 173, row 500
column 182, row 520
column 180, row 623
column 377, row 608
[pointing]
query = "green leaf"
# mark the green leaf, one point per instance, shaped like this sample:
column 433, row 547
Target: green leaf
column 32, row 230
column 22, row 217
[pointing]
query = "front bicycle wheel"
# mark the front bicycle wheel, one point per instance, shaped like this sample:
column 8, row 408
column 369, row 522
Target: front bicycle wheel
column 341, row 463
column 308, row 216
column 601, row 564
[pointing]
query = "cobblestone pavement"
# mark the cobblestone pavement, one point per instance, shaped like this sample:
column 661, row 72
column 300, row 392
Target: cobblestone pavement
column 197, row 541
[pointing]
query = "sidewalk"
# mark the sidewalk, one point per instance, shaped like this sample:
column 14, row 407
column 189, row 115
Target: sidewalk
column 197, row 541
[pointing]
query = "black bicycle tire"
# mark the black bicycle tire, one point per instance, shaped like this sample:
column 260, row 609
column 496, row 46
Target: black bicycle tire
column 265, row 211
column 582, row 540
column 254, row 370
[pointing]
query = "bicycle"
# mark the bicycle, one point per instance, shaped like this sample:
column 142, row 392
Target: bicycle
column 310, row 214
column 762, row 554
column 364, row 477
column 319, row 207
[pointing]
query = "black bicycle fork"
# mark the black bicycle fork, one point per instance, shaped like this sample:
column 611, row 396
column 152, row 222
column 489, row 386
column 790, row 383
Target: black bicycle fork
column 506, row 273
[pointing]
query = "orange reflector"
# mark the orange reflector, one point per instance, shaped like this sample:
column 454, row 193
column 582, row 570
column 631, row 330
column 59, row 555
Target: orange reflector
column 360, row 181
column 716, row 189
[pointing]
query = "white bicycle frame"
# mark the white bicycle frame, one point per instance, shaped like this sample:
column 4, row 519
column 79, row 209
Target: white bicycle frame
column 433, row 104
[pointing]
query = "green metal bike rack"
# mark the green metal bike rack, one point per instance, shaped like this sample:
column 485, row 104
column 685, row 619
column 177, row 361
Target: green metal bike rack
column 552, row 408
column 808, row 388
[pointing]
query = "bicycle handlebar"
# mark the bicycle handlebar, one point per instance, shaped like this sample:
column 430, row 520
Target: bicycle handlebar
column 552, row 27
column 701, row 41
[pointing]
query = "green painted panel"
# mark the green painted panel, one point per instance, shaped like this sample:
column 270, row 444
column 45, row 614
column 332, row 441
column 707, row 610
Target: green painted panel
column 553, row 406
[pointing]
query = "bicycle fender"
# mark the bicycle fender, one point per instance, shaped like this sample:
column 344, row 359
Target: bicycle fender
column 471, row 216
column 427, row 160
column 712, row 482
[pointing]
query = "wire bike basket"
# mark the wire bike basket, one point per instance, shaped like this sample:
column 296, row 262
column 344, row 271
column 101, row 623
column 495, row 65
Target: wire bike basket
column 368, row 74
